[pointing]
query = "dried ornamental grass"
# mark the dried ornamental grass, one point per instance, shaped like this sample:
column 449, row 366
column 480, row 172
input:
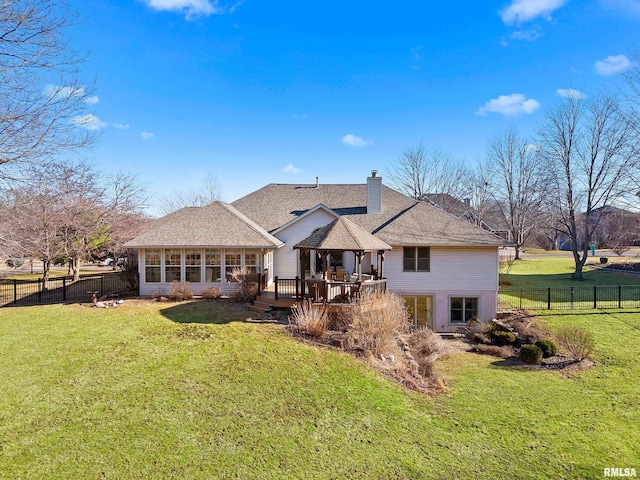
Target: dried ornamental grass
column 180, row 291
column 576, row 340
column 376, row 321
column 309, row 318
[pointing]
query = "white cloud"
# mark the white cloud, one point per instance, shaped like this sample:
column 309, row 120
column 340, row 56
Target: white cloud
column 191, row 8
column 89, row 121
column 525, row 35
column 146, row 135
column 612, row 64
column 291, row 169
column 92, row 100
column 570, row 93
column 521, row 11
column 510, row 105
column 121, row 125
column 354, row 141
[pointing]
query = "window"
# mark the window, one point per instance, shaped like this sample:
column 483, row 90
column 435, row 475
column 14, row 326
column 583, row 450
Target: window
column 193, row 266
column 232, row 259
column 416, row 259
column 213, row 264
column 420, row 310
column 172, row 260
column 152, row 266
column 252, row 261
column 463, row 309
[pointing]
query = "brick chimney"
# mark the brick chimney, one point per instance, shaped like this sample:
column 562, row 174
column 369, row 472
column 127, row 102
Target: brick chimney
column 374, row 193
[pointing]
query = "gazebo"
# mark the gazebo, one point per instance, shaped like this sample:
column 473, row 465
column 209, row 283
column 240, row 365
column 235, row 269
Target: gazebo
column 342, row 235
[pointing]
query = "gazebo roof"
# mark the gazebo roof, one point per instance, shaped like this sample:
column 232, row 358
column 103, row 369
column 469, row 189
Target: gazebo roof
column 342, row 235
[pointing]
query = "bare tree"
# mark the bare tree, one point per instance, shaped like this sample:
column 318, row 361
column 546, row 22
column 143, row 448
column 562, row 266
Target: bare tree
column 68, row 211
column 33, row 219
column 418, row 173
column 478, row 196
column 585, row 145
column 38, row 121
column 210, row 191
column 632, row 115
column 518, row 184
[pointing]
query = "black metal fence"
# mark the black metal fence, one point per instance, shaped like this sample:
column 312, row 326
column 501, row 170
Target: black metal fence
column 570, row 298
column 63, row 289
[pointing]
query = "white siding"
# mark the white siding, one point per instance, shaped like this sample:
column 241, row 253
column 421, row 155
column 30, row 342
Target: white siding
column 285, row 259
column 454, row 272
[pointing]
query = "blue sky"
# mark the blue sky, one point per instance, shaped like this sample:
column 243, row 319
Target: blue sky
column 256, row 92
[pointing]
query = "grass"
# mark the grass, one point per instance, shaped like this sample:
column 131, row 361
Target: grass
column 191, row 391
column 549, row 271
column 527, row 283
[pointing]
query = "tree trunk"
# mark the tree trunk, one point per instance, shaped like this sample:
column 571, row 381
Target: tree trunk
column 46, row 267
column 75, row 268
column 517, row 252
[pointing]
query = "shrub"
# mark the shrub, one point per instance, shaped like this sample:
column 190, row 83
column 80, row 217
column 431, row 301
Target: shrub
column 14, row 262
column 180, row 291
column 479, row 337
column 500, row 337
column 576, row 340
column 505, row 351
column 248, row 283
column 211, row 292
column 376, row 321
column 309, row 318
column 548, row 348
column 425, row 347
column 531, row 354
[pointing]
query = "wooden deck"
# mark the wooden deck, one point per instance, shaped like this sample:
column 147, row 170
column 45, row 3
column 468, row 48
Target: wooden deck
column 283, row 293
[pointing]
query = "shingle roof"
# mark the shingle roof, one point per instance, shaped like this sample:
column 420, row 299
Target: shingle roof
column 342, row 234
column 217, row 224
column 403, row 220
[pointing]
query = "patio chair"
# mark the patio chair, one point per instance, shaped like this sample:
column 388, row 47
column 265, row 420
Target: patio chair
column 340, row 275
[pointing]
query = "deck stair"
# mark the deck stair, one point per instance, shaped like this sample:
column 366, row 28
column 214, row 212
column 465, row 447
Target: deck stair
column 260, row 306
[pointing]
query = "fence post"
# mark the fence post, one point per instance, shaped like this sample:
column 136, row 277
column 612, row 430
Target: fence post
column 619, row 296
column 40, row 291
column 520, row 299
column 276, row 286
column 595, row 297
column 102, row 285
column 64, row 289
column 548, row 298
column 571, row 298
column 15, row 291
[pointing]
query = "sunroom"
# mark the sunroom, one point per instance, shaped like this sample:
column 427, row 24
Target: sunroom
column 203, row 246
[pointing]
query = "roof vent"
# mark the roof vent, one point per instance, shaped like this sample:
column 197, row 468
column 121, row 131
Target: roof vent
column 374, row 173
column 317, row 182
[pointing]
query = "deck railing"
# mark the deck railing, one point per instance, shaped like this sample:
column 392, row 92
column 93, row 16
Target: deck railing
column 322, row 290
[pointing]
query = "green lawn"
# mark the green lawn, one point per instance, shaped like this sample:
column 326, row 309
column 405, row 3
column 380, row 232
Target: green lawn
column 556, row 272
column 192, row 391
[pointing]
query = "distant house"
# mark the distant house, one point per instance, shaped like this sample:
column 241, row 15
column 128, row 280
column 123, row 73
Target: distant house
column 490, row 221
column 358, row 236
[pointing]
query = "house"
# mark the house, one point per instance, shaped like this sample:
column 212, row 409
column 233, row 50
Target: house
column 445, row 268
